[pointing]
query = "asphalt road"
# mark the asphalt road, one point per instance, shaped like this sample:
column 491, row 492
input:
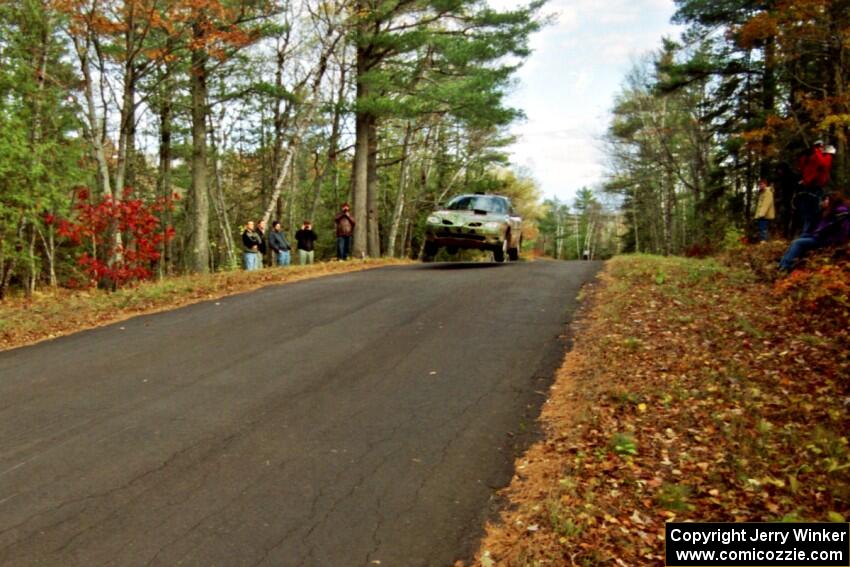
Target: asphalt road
column 342, row 421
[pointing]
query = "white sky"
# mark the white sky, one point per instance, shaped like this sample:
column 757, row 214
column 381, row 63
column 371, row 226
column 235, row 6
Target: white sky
column 567, row 86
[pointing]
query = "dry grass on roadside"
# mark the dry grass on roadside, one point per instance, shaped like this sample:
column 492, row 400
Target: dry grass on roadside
column 55, row 313
column 695, row 391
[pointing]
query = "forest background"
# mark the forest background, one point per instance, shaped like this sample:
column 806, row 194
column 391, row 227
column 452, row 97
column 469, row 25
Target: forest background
column 137, row 137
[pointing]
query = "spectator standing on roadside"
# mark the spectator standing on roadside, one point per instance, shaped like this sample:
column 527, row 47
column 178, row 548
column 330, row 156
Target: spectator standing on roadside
column 251, row 243
column 815, row 168
column 765, row 209
column 833, row 230
column 279, row 245
column 306, row 239
column 344, row 231
column 261, row 230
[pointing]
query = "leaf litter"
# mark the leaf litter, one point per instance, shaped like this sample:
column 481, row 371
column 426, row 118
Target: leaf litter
column 695, row 391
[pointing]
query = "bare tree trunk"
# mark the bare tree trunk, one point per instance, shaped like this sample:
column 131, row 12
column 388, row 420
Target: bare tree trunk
column 399, row 205
column 363, row 123
column 333, row 147
column 290, row 197
column 669, row 207
column 838, row 63
column 219, row 203
column 578, row 240
column 32, row 270
column 374, row 238
column 635, row 225
column 3, row 271
column 302, row 122
column 9, row 269
column 37, row 133
column 166, row 112
column 49, row 244
column 405, row 239
column 360, row 173
column 199, row 261
column 559, row 232
column 281, row 117
column 94, row 125
column 128, row 104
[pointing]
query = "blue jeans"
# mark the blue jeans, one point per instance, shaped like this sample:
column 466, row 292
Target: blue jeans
column 252, row 260
column 799, row 248
column 808, row 210
column 764, row 225
column 282, row 258
column 343, row 247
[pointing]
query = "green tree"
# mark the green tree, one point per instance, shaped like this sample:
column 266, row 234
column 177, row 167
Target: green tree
column 40, row 150
column 426, row 56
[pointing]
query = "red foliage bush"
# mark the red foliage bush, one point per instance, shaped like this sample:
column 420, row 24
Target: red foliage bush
column 94, row 226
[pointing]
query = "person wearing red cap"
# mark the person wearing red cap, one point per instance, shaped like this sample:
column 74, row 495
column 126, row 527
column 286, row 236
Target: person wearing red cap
column 815, row 168
column 344, row 231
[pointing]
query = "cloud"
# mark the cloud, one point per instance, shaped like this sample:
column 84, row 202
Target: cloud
column 568, row 85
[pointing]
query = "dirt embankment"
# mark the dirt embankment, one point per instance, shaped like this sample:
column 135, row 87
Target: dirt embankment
column 695, row 391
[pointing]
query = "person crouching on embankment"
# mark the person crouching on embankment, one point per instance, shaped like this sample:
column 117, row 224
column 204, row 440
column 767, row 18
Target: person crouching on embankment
column 251, row 242
column 765, row 210
column 833, row 230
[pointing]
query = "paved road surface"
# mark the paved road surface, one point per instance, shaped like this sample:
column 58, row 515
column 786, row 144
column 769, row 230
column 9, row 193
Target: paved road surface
column 341, row 421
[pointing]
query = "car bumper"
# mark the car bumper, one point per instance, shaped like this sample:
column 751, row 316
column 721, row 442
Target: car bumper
column 463, row 237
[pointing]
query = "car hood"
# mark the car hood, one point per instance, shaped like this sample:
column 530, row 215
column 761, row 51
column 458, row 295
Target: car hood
column 462, row 217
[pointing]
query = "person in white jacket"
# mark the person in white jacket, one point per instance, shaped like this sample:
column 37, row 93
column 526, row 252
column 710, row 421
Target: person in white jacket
column 765, row 209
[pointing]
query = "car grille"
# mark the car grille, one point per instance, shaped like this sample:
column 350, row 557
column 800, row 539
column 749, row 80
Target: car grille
column 447, row 234
column 448, row 222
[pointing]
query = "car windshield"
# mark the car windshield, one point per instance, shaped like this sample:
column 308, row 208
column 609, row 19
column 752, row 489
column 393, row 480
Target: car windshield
column 478, row 203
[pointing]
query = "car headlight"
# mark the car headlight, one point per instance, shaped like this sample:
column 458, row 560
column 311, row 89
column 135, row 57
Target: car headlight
column 492, row 225
column 434, row 220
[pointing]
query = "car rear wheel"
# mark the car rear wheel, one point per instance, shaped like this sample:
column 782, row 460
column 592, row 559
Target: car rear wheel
column 513, row 253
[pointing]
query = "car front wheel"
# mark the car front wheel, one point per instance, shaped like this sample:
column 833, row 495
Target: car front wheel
column 430, row 251
column 499, row 253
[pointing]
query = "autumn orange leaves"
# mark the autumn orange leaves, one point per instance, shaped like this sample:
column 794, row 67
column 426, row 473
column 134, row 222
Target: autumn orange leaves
column 702, row 395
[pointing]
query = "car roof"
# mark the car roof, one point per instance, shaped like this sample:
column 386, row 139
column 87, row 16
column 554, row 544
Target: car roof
column 479, row 195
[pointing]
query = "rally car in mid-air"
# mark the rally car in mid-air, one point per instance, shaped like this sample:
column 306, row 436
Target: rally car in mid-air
column 478, row 221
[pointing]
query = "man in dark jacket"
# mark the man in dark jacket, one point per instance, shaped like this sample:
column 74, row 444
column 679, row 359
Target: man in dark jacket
column 279, row 245
column 251, row 246
column 833, row 230
column 306, row 240
column 344, row 231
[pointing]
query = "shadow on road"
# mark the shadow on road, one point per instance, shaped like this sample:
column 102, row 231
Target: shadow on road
column 461, row 265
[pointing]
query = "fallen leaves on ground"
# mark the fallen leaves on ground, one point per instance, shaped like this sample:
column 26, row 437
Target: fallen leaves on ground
column 695, row 391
